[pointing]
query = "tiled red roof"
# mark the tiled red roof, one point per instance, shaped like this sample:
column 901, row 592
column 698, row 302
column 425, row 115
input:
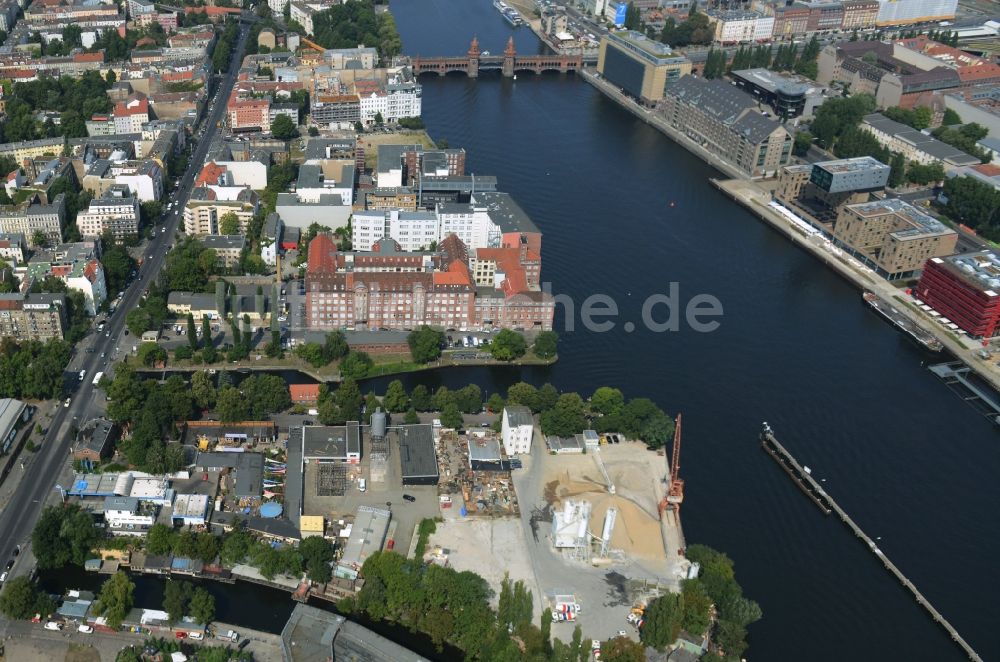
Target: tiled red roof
column 210, row 174
column 322, row 254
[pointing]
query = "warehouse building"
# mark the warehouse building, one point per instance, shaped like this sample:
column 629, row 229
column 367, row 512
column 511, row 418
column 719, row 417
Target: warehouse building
column 368, row 535
column 416, row 454
column 332, row 443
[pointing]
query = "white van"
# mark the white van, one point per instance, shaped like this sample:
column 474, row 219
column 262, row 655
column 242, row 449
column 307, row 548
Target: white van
column 362, row 485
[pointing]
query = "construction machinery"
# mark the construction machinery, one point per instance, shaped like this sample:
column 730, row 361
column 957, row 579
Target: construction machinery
column 675, row 485
column 312, row 44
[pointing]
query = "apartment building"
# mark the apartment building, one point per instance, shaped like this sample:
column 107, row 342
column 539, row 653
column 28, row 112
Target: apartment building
column 915, row 145
column 12, row 247
column 33, row 149
column 860, row 14
column 383, row 199
column 481, row 223
column 892, row 236
column 402, row 165
column 131, row 114
column 248, row 113
column 32, row 316
column 209, row 204
column 117, row 211
column 228, row 248
column 75, row 264
column 726, row 122
column 331, row 176
column 34, row 220
column 735, row 26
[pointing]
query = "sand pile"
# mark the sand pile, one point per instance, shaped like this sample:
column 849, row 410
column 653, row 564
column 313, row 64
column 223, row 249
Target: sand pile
column 635, row 532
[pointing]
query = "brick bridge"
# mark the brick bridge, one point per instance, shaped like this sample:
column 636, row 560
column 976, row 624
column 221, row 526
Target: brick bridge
column 508, row 64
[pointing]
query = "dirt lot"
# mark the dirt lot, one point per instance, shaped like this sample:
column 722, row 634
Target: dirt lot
column 488, row 547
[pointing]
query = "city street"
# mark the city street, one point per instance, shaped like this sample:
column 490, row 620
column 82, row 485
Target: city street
column 49, row 465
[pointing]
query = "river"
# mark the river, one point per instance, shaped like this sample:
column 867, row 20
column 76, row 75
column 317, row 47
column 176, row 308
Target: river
column 626, row 212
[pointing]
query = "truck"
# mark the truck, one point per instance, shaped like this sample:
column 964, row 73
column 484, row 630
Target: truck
column 97, row 378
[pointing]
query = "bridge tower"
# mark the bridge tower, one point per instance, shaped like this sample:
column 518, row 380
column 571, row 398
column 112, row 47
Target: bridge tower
column 509, row 56
column 472, row 66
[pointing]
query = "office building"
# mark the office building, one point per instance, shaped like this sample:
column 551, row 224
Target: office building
column 965, row 289
column 641, row 67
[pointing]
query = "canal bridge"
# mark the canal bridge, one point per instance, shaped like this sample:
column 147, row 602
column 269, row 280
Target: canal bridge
column 507, row 64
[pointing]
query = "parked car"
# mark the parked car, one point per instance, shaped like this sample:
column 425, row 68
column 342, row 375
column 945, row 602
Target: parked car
column 196, row 636
column 3, row 578
column 86, row 629
column 52, row 625
column 409, row 497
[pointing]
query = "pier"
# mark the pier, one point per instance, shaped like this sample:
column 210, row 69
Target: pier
column 959, row 379
column 768, row 438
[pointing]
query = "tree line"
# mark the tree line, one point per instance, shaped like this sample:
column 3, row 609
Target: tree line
column 356, row 22
column 33, row 370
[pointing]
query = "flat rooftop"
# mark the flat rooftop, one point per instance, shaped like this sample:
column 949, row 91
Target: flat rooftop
column 856, row 164
column 921, row 224
column 484, row 449
column 416, row 450
column 654, row 52
column 333, row 442
column 980, row 270
column 367, row 535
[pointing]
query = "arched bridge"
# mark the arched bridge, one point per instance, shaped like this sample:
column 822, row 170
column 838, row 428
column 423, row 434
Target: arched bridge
column 508, row 64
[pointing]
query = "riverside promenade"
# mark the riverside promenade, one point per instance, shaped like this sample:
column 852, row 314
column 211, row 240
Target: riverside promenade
column 756, row 198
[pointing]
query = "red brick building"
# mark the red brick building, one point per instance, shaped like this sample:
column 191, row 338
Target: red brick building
column 387, row 288
column 966, row 290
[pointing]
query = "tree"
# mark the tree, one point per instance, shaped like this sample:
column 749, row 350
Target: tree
column 420, row 398
column 425, row 344
column 803, row 141
column 546, row 344
column 451, row 417
column 897, row 170
column 202, row 606
column 411, row 417
column 495, row 403
column 115, row 599
column 63, row 535
column 21, row 599
column 265, row 395
column 697, row 605
column 663, row 621
column 160, row 539
column 507, row 345
column 313, row 131
column 176, row 596
column 230, row 405
column 607, row 401
column 192, row 332
column 229, row 223
column 151, row 354
column 283, row 128
column 203, row 389
column 317, row 554
column 395, row 399
column 525, row 394
column 356, row 365
column 566, row 418
column 622, row 649
column 950, row 118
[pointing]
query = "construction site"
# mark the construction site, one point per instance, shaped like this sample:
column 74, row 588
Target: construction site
column 475, row 474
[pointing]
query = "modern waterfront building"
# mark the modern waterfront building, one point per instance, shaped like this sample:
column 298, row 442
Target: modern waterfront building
column 642, row 67
column 965, row 289
column 785, row 95
column 725, row 121
column 821, row 189
column 862, row 173
column 892, row 236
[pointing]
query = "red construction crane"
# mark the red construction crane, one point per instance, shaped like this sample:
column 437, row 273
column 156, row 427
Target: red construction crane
column 675, row 487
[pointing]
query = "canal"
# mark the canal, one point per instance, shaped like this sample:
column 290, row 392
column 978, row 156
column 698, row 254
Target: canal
column 625, row 212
